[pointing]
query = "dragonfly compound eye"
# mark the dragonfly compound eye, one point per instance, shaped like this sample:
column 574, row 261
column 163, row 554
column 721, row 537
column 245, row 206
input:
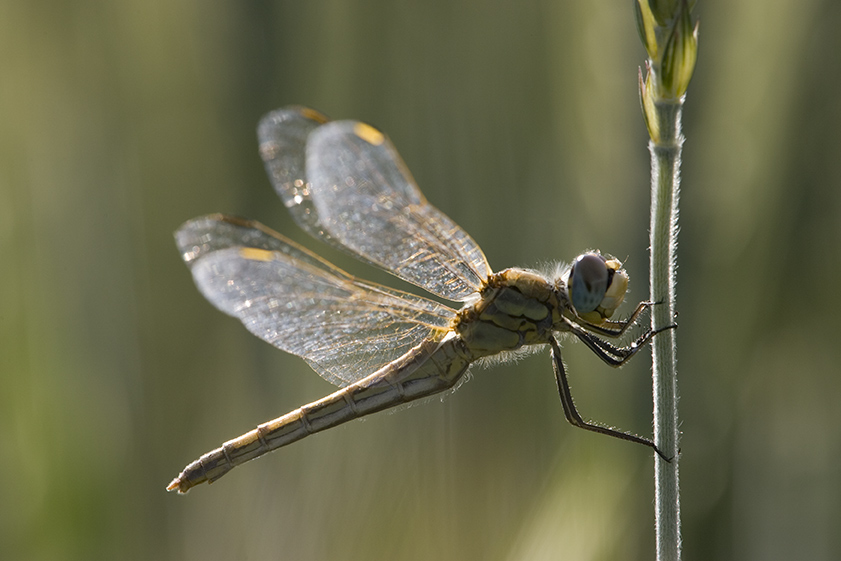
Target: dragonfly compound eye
column 588, row 282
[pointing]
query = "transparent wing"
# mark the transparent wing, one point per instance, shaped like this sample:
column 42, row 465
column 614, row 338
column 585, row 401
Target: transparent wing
column 283, row 141
column 344, row 328
column 354, row 190
column 366, row 198
column 283, row 135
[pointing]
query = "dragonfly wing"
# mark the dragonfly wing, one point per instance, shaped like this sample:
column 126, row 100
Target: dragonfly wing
column 283, row 135
column 283, row 140
column 344, row 328
column 366, row 199
column 378, row 215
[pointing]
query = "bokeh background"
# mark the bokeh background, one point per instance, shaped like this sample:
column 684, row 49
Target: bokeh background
column 521, row 120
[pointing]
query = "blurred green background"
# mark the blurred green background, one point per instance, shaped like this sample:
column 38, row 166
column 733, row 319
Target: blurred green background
column 121, row 120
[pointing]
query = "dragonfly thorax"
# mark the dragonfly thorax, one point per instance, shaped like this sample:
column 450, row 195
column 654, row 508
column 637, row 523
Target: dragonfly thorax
column 516, row 308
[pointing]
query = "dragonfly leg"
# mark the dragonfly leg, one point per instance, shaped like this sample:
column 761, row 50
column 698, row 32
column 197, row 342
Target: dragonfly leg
column 572, row 415
column 616, row 329
column 613, row 354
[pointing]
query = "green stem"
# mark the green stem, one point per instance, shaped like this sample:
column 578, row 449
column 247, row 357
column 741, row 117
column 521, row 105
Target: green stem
column 665, row 180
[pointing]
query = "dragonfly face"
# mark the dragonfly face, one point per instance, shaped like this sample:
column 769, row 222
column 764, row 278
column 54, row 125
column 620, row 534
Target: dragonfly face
column 596, row 286
column 344, row 183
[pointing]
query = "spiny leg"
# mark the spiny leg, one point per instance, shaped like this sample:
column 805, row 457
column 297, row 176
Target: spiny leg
column 571, row 413
column 610, row 353
column 616, row 329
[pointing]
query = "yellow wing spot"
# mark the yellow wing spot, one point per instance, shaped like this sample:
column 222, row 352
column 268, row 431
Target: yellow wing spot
column 313, row 115
column 369, row 134
column 254, row 254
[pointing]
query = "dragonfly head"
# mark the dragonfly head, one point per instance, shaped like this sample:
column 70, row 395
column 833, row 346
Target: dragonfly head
column 596, row 286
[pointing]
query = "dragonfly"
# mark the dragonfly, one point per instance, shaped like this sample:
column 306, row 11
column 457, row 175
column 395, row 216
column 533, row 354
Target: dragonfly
column 345, row 184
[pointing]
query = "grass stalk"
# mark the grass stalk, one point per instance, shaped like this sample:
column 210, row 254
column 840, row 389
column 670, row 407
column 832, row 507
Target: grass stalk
column 665, row 177
column 671, row 41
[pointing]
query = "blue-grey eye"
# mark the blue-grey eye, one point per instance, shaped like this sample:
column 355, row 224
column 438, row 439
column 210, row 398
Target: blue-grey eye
column 588, row 280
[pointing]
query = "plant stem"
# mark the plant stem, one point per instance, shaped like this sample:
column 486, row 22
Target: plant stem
column 665, row 181
column 670, row 38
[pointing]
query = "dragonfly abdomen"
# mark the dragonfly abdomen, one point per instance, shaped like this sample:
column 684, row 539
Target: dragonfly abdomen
column 431, row 367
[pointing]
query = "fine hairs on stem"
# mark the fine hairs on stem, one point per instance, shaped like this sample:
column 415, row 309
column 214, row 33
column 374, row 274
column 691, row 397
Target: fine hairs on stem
column 671, row 41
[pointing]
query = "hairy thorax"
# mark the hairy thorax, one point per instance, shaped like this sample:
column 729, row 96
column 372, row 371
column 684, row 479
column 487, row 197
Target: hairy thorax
column 516, row 308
